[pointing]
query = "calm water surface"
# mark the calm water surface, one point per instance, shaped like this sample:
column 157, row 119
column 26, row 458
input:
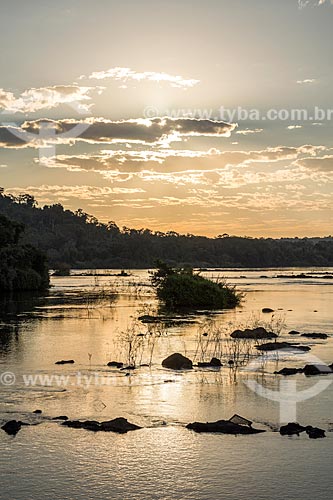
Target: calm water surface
column 163, row 460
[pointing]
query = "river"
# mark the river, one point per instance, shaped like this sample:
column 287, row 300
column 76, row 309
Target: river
column 87, row 317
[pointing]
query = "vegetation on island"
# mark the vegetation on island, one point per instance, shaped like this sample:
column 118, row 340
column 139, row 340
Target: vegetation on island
column 184, row 288
column 78, row 240
column 22, row 267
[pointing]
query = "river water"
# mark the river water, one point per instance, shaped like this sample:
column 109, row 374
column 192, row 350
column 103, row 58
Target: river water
column 163, row 460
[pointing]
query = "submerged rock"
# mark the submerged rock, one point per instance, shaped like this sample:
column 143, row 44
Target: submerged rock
column 223, row 427
column 65, row 362
column 147, row 318
column 289, row 371
column 321, row 336
column 254, row 334
column 177, row 362
column 12, row 427
column 213, row 363
column 275, row 346
column 119, row 425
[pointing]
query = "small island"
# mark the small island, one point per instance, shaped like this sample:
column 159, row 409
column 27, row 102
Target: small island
column 179, row 288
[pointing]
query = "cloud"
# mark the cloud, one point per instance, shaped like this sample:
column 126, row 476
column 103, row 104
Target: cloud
column 10, row 138
column 249, row 131
column 37, row 99
column 313, row 3
column 128, row 75
column 157, row 131
column 112, row 163
column 65, row 192
column 307, row 81
column 323, row 164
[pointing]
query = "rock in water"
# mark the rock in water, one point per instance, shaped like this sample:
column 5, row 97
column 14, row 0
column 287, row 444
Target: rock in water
column 12, row 427
column 213, row 363
column 267, row 310
column 177, row 362
column 310, row 370
column 255, row 334
column 315, row 432
column 222, row 427
column 119, row 425
column 65, row 362
column 276, row 346
column 289, row 371
column 291, row 429
column 116, row 364
column 320, row 336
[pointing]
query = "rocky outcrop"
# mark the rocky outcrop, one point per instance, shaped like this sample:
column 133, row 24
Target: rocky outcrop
column 259, row 333
column 177, row 362
column 118, row 425
column 222, row 427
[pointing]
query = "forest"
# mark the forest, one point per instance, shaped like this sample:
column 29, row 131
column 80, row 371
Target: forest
column 22, row 266
column 79, row 240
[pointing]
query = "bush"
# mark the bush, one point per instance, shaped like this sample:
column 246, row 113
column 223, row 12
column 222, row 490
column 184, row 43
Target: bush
column 182, row 288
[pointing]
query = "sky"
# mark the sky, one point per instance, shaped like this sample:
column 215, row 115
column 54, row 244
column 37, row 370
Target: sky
column 199, row 117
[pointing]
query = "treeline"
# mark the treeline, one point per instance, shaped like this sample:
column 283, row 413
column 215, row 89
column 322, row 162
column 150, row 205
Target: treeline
column 79, row 240
column 22, row 267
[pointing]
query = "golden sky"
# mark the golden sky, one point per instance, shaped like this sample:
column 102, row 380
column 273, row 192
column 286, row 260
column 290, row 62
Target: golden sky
column 200, row 117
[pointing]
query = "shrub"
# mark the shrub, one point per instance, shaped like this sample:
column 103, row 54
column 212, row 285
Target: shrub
column 183, row 288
